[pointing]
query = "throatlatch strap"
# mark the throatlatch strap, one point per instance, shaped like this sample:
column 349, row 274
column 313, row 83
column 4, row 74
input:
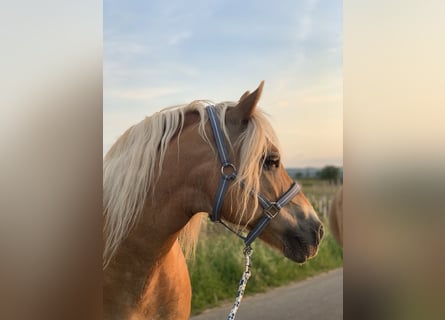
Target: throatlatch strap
column 219, row 199
column 226, row 177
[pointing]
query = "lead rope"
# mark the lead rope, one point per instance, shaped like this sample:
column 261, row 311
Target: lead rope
column 242, row 284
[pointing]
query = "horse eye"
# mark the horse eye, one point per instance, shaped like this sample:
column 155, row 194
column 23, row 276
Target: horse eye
column 271, row 161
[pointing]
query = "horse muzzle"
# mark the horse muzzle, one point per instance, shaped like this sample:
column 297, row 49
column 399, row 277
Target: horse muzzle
column 301, row 245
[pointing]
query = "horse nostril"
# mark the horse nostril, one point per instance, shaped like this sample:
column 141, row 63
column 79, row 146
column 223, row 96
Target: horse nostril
column 320, row 233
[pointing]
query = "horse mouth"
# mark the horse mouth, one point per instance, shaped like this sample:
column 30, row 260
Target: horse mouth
column 296, row 249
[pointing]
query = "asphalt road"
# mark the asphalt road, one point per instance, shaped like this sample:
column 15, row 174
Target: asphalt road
column 317, row 298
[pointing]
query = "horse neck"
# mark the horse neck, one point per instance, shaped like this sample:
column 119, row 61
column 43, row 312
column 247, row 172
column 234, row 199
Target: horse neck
column 138, row 269
column 139, row 266
column 167, row 294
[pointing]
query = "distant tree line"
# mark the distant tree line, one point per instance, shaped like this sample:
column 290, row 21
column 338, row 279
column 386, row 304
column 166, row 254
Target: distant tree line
column 332, row 174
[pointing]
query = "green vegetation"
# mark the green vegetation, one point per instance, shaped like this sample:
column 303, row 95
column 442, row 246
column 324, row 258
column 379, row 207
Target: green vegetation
column 330, row 173
column 219, row 262
column 315, row 188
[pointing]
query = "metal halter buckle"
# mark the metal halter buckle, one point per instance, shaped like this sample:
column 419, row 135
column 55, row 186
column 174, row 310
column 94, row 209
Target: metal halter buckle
column 272, row 210
column 232, row 171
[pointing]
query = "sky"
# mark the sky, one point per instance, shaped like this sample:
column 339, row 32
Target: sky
column 163, row 53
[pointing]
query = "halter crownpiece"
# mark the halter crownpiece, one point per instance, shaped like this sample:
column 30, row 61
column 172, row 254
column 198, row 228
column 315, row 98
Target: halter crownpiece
column 229, row 173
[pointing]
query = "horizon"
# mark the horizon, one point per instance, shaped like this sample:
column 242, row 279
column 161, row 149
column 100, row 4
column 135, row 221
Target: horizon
column 311, row 167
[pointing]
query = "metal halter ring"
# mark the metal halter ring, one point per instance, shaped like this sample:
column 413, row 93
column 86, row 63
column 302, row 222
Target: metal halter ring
column 232, row 171
column 273, row 210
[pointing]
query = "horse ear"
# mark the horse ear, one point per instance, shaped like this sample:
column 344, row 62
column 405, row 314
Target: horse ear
column 248, row 101
column 244, row 96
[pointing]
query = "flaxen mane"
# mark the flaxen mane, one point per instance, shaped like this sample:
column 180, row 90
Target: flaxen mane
column 134, row 163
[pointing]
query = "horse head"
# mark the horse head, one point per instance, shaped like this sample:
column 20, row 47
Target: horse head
column 294, row 227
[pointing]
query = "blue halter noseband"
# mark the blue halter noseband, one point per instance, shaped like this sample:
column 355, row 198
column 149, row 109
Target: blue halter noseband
column 228, row 173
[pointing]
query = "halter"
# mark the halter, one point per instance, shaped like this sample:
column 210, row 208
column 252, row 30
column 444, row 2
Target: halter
column 229, row 173
column 271, row 208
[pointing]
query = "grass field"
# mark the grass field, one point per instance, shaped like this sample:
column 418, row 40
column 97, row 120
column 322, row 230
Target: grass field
column 219, row 262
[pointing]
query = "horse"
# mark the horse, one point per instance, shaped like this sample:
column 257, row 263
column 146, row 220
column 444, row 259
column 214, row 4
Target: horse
column 165, row 173
column 336, row 217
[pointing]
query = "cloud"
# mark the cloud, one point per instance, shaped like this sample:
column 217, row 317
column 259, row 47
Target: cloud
column 304, row 27
column 125, row 48
column 177, row 38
